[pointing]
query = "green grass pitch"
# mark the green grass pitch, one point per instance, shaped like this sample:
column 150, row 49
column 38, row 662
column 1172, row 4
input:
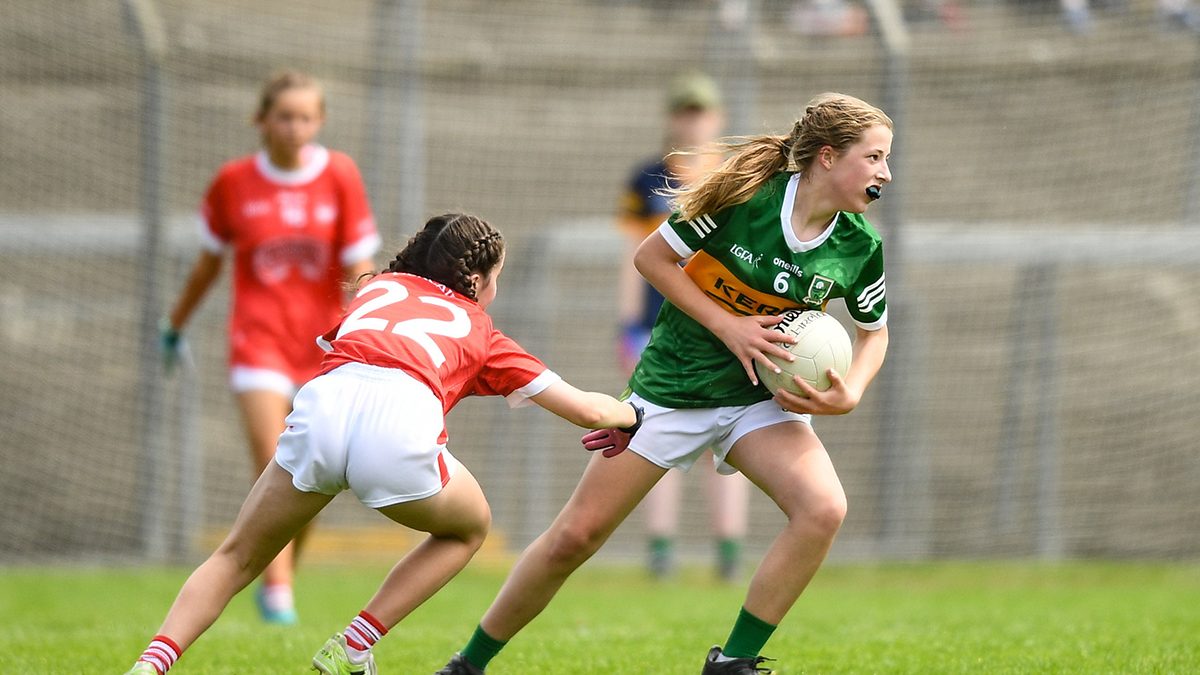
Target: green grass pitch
column 927, row 619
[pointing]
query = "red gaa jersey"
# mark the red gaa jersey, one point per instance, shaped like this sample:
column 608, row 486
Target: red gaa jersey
column 438, row 336
column 291, row 232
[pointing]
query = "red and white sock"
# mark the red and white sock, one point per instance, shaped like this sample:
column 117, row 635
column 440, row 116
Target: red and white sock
column 278, row 597
column 362, row 634
column 162, row 653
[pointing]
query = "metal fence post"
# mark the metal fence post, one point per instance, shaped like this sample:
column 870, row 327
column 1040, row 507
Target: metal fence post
column 901, row 464
column 1191, row 208
column 188, row 439
column 145, row 24
column 1047, row 501
column 541, row 302
column 1032, row 376
column 396, row 94
column 730, row 59
column 1005, row 517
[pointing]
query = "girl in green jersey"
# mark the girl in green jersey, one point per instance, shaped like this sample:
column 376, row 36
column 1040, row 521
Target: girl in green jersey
column 778, row 225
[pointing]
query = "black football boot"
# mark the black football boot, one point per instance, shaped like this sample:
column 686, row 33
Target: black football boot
column 748, row 666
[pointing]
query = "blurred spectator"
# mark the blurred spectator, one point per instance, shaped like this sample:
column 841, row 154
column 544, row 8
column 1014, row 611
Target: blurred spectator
column 694, row 119
column 1172, row 16
column 841, row 18
column 828, row 18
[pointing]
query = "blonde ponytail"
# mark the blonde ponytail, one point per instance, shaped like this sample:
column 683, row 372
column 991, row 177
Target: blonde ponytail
column 753, row 160
column 833, row 120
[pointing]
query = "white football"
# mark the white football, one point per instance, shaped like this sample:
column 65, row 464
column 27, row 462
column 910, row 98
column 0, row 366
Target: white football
column 821, row 343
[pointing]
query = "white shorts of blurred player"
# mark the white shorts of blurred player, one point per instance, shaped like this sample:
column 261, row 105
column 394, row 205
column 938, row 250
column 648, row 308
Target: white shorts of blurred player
column 674, row 438
column 244, row 378
column 368, row 429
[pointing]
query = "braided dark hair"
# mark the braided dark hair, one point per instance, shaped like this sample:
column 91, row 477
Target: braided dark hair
column 449, row 249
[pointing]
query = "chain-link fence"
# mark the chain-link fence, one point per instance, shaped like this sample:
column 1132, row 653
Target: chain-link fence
column 1040, row 397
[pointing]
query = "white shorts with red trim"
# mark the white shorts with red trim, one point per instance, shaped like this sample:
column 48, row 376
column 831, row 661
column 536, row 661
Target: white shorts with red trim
column 244, row 378
column 368, row 429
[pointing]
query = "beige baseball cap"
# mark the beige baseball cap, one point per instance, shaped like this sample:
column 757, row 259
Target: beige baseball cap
column 693, row 90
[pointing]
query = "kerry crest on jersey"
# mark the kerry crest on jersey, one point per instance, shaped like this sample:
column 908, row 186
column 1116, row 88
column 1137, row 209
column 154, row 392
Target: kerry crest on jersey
column 818, row 290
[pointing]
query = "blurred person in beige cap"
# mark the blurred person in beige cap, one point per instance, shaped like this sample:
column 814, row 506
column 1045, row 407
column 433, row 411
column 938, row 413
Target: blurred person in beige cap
column 694, row 118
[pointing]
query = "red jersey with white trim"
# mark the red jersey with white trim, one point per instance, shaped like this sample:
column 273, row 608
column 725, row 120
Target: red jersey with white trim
column 438, row 336
column 291, row 233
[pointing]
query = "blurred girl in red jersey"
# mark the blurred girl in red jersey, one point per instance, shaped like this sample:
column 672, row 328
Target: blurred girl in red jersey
column 296, row 219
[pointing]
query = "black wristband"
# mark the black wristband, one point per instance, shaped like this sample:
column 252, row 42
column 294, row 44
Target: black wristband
column 632, row 429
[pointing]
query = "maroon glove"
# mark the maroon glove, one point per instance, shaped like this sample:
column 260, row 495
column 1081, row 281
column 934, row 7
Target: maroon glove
column 612, row 442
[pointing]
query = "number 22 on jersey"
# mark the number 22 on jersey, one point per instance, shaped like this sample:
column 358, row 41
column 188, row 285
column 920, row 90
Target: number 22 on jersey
column 417, row 329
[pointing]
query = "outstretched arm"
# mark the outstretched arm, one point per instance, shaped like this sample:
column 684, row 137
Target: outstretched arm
column 588, row 409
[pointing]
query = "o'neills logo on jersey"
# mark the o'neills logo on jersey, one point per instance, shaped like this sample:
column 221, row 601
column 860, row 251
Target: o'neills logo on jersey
column 791, row 267
column 274, row 260
column 444, row 290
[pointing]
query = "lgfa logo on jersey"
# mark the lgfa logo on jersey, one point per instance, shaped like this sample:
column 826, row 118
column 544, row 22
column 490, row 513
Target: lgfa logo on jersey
column 744, row 254
column 818, row 290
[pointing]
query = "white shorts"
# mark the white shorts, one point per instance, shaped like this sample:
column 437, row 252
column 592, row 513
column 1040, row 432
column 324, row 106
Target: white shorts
column 245, row 378
column 376, row 431
column 674, row 438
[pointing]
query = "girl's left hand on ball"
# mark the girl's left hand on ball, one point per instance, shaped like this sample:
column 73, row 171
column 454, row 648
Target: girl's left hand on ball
column 838, row 399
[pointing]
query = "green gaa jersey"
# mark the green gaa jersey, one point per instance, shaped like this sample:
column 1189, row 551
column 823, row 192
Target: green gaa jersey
column 748, row 259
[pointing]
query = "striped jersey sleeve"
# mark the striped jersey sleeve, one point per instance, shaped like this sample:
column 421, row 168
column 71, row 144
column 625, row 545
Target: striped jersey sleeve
column 687, row 237
column 866, row 298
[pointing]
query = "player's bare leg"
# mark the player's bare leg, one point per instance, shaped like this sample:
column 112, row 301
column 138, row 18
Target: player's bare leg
column 608, row 491
column 272, row 514
column 789, row 463
column 263, row 414
column 457, row 520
